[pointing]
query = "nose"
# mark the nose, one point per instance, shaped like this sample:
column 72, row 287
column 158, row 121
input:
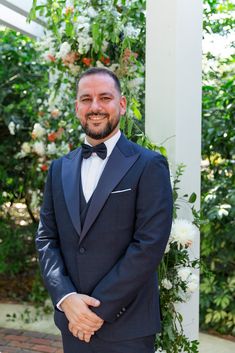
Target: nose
column 95, row 106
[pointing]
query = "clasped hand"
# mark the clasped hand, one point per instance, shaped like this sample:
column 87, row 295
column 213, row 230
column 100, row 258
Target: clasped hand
column 83, row 323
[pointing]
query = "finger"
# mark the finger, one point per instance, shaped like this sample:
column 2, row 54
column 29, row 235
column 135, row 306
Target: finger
column 88, row 324
column 80, row 335
column 87, row 338
column 88, row 314
column 90, row 300
column 74, row 328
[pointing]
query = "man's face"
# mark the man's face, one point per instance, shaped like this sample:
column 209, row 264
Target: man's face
column 99, row 106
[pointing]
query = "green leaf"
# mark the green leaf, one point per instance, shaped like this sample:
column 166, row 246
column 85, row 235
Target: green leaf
column 32, row 12
column 69, row 29
column 192, row 198
column 130, row 124
column 163, row 151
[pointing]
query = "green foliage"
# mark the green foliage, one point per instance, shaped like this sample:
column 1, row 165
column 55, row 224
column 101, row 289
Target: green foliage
column 23, row 85
column 218, row 24
column 18, row 263
column 218, row 195
column 16, row 249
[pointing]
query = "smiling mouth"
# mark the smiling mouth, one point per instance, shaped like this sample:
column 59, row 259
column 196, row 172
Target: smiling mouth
column 97, row 117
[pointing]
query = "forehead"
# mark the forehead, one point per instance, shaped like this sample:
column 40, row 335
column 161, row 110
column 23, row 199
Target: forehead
column 97, row 82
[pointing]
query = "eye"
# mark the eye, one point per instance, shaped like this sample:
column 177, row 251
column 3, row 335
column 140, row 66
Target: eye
column 85, row 100
column 105, row 99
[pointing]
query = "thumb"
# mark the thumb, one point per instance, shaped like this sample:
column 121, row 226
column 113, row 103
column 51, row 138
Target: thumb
column 90, row 301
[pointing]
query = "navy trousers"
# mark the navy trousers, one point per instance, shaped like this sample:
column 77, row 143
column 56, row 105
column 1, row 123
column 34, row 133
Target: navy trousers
column 72, row 344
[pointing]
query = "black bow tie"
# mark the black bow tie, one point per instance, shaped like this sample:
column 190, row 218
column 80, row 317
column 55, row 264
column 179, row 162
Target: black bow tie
column 100, row 150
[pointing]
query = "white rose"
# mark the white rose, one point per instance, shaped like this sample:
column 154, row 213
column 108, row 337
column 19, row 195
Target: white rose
column 136, row 82
column 65, row 48
column 184, row 273
column 51, row 148
column 166, row 283
column 191, row 287
column 38, row 131
column 114, row 67
column 91, row 12
column 25, row 148
column 39, row 148
column 183, row 232
column 193, row 283
column 11, row 128
column 75, row 69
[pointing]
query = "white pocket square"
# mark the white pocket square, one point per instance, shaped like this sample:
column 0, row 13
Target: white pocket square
column 119, row 191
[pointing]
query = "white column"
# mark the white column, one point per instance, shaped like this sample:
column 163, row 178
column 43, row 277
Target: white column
column 13, row 13
column 173, row 100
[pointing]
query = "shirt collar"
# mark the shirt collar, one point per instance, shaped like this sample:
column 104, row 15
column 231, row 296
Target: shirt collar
column 110, row 143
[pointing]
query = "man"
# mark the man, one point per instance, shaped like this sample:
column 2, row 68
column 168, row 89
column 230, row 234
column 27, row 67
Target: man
column 104, row 225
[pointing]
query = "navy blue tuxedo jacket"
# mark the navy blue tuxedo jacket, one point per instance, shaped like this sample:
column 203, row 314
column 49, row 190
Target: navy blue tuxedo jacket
column 114, row 256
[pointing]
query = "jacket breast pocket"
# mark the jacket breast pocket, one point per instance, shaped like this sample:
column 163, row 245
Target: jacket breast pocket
column 123, row 202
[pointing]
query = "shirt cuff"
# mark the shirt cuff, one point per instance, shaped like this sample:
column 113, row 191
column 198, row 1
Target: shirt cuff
column 61, row 300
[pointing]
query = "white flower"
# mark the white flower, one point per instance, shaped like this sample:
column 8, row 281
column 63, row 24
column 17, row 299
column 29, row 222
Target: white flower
column 167, row 247
column 223, row 210
column 192, row 285
column 75, row 69
column 25, row 148
column 65, row 48
column 38, row 131
column 51, row 148
column 99, row 64
column 39, row 148
column 114, row 67
column 183, row 232
column 105, row 45
column 91, row 12
column 194, row 278
column 130, row 31
column 82, row 136
column 12, row 128
column 64, row 148
column 136, row 82
column 166, row 283
column 83, row 19
column 184, row 273
column 84, row 43
column 34, row 200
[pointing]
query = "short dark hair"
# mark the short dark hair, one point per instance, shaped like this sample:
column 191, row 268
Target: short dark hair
column 101, row 71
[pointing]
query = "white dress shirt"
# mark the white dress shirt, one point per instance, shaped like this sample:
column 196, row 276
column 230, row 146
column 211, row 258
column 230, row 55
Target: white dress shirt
column 93, row 167
column 91, row 170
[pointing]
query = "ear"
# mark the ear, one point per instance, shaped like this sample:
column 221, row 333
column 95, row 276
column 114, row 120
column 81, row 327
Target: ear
column 122, row 105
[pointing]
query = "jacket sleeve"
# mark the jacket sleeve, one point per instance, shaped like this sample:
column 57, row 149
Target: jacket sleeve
column 152, row 228
column 48, row 245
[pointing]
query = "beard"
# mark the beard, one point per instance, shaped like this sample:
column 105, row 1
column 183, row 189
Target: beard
column 107, row 130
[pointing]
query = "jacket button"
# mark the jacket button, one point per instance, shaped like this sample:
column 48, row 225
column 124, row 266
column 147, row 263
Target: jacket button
column 118, row 315
column 82, row 250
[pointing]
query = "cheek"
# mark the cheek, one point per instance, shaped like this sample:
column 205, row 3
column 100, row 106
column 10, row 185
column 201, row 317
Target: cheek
column 81, row 111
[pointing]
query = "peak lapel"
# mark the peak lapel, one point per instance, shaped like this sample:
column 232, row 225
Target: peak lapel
column 116, row 167
column 71, row 171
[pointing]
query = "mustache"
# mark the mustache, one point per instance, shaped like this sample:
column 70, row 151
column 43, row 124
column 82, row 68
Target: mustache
column 88, row 115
